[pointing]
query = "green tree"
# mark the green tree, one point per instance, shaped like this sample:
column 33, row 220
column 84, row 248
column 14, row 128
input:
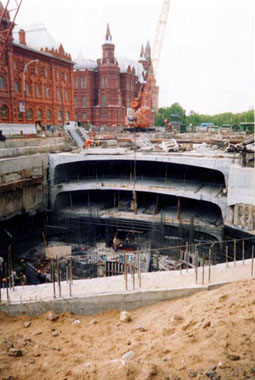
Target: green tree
column 176, row 113
column 173, row 113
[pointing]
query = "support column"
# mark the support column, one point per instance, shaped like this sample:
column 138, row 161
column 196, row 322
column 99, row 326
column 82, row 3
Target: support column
column 179, row 209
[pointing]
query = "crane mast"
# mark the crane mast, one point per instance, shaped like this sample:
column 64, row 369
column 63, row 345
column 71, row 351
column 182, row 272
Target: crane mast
column 160, row 35
column 6, row 24
column 142, row 105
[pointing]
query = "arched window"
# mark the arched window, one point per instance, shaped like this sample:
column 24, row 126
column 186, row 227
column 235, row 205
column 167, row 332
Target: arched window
column 67, row 116
column 48, row 115
column 59, row 115
column 104, row 101
column 85, row 82
column 47, row 92
column 84, row 115
column 58, row 93
column 75, row 101
column 29, row 114
column 4, row 112
column 16, row 87
column 84, row 101
column 66, row 94
column 1, row 82
column 39, row 114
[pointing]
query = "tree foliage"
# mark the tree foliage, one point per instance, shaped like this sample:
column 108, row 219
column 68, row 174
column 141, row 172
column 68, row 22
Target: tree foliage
column 177, row 113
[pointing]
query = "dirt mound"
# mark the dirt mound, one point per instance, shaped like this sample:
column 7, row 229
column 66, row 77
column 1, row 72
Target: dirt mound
column 210, row 335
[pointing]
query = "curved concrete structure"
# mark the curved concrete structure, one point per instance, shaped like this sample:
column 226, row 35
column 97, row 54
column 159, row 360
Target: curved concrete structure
column 232, row 192
column 217, row 162
column 196, row 191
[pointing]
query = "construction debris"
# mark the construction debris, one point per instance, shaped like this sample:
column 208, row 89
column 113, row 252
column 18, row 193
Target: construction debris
column 125, row 316
column 249, row 148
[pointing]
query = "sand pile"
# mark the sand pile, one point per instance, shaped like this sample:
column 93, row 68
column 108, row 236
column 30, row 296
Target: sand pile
column 210, row 335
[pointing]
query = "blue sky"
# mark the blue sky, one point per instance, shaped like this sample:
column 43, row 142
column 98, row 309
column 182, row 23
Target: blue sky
column 207, row 62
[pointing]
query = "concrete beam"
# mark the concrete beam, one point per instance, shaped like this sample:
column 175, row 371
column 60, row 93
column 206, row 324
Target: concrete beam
column 99, row 303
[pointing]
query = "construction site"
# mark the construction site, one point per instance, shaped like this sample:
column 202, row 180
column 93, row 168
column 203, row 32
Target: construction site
column 131, row 244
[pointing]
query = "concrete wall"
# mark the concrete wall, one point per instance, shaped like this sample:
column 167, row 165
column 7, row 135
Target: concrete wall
column 15, row 148
column 241, row 198
column 23, row 184
column 243, row 217
column 100, row 303
column 241, row 187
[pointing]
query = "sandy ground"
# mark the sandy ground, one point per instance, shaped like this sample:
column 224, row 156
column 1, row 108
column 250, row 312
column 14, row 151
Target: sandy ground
column 150, row 281
column 210, row 335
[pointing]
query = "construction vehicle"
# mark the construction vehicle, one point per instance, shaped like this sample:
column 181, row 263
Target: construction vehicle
column 142, row 104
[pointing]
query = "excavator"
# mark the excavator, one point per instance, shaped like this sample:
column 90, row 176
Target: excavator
column 142, row 105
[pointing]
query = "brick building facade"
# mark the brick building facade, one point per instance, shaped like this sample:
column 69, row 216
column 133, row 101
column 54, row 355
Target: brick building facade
column 103, row 89
column 48, row 82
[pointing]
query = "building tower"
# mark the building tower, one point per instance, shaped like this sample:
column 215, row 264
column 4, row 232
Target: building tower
column 109, row 94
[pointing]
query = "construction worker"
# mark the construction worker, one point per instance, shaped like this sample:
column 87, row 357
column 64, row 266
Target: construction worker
column 41, row 277
column 23, row 279
column 116, row 243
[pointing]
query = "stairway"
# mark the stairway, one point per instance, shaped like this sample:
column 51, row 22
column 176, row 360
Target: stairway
column 77, row 135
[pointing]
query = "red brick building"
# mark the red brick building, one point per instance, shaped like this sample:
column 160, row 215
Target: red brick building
column 48, row 82
column 104, row 89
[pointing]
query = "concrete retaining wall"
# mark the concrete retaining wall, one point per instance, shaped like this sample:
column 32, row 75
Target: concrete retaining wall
column 23, row 184
column 241, row 186
column 99, row 303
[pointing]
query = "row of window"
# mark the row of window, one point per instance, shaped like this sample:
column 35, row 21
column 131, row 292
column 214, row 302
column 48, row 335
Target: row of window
column 43, row 71
column 4, row 112
column 104, row 115
column 80, row 83
column 84, row 101
column 115, row 83
column 37, row 90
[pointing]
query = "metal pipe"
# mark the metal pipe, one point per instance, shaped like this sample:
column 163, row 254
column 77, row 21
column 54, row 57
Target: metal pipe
column 209, row 273
column 252, row 260
column 235, row 251
column 53, row 277
column 226, row 256
column 203, row 273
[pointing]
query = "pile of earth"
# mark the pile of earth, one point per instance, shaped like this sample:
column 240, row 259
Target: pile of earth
column 210, row 335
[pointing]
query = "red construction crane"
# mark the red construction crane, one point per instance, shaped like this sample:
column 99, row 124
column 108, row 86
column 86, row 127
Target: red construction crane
column 142, row 105
column 6, row 23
